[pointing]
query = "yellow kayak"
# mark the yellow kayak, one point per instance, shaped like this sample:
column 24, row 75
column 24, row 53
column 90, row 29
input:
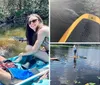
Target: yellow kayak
column 68, row 32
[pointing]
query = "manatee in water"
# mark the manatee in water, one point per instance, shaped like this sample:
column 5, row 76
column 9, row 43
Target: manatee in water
column 72, row 12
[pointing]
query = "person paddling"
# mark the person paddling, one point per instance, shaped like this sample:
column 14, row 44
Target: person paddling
column 75, row 50
column 75, row 56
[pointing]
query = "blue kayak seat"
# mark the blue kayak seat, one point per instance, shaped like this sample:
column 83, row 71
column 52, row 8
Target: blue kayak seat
column 20, row 74
column 17, row 80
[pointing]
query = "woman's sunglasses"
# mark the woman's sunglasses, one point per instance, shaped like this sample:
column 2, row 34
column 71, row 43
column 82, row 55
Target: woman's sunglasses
column 32, row 21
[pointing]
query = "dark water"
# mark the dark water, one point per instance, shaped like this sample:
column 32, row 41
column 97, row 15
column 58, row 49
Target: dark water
column 84, row 32
column 65, row 12
column 79, row 6
column 85, row 70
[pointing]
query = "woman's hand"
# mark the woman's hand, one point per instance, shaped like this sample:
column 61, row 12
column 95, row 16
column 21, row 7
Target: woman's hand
column 19, row 57
column 43, row 49
column 21, row 54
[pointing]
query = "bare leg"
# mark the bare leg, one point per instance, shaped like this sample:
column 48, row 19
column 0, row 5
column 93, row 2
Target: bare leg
column 2, row 58
column 18, row 59
column 5, row 77
column 39, row 54
column 42, row 55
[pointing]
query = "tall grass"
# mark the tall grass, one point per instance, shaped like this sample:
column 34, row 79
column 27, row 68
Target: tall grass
column 15, row 32
column 14, row 47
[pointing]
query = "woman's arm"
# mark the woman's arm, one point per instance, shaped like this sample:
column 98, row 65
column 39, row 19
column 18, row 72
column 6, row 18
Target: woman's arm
column 28, row 48
column 40, row 37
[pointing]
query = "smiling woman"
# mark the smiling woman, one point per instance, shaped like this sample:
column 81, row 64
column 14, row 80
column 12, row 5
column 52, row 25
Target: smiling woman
column 37, row 39
column 37, row 45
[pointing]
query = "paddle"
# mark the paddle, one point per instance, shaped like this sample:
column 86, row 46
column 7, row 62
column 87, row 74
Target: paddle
column 54, row 59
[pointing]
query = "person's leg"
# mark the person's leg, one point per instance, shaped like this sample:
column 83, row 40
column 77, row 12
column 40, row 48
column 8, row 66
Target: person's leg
column 74, row 52
column 2, row 58
column 5, row 77
column 42, row 55
column 24, row 59
column 21, row 59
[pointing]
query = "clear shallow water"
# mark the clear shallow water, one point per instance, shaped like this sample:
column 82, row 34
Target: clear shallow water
column 66, row 72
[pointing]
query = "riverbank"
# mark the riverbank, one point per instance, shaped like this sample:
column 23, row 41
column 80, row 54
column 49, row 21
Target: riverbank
column 10, row 47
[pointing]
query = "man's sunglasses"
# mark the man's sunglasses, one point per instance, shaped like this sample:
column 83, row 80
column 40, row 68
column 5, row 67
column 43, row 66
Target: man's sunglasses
column 32, row 21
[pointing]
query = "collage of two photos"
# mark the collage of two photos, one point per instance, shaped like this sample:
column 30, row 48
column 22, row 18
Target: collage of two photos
column 75, row 42
column 49, row 42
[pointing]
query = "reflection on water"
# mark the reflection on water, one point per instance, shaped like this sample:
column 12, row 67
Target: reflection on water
column 78, row 71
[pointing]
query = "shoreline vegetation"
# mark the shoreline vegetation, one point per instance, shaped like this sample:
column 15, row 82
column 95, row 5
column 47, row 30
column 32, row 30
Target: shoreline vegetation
column 71, row 45
column 10, row 47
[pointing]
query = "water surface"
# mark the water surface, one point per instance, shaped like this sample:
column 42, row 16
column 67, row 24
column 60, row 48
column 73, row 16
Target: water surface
column 67, row 72
column 65, row 12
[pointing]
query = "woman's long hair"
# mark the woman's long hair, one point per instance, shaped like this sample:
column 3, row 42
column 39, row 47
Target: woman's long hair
column 31, row 35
